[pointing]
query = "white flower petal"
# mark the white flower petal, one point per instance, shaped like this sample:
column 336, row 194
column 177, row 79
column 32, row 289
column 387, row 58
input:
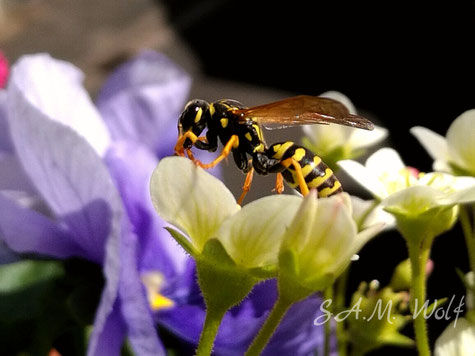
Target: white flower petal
column 446, row 182
column 342, row 98
column 463, row 196
column 461, row 141
column 191, row 199
column 364, row 177
column 321, row 231
column 325, row 138
column 414, row 200
column 252, row 236
column 441, row 166
column 458, row 339
column 385, row 162
column 365, row 138
column 435, row 144
column 55, row 88
column 323, row 237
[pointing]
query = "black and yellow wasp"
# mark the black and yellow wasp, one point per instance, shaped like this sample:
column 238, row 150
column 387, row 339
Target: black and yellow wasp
column 239, row 129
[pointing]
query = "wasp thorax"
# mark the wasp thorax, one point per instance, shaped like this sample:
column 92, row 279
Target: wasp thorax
column 193, row 117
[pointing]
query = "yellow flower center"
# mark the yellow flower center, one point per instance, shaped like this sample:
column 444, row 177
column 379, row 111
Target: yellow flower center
column 153, row 282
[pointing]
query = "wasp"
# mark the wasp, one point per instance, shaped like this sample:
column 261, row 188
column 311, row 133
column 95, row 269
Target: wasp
column 240, row 130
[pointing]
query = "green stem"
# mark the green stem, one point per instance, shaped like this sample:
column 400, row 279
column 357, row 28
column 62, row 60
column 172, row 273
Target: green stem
column 469, row 239
column 418, row 257
column 209, row 332
column 271, row 323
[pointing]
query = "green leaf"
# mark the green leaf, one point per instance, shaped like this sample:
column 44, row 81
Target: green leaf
column 222, row 282
column 437, row 304
column 20, row 275
column 23, row 287
column 290, row 287
column 183, row 241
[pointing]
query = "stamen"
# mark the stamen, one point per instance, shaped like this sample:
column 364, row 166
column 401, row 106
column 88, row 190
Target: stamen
column 153, row 282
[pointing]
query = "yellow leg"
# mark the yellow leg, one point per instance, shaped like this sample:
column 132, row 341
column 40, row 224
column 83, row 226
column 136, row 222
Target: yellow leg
column 298, row 172
column 247, row 185
column 180, row 151
column 232, row 143
column 279, row 183
column 189, row 153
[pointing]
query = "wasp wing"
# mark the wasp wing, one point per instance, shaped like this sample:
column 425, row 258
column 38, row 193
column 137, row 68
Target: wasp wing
column 304, row 110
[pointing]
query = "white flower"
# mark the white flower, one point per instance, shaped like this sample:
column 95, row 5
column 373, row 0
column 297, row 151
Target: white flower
column 455, row 152
column 385, row 174
column 458, row 339
column 203, row 208
column 326, row 140
column 428, row 199
column 321, row 241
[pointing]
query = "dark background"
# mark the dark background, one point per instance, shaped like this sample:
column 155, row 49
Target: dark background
column 406, row 64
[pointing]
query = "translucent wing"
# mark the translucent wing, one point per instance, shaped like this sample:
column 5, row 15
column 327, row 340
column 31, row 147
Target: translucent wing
column 304, row 110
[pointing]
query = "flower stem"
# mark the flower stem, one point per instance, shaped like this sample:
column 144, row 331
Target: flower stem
column 209, row 332
column 418, row 256
column 469, row 234
column 270, row 325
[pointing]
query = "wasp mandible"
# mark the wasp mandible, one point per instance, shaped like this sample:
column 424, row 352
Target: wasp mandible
column 239, row 129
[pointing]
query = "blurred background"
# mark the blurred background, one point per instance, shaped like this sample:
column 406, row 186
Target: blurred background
column 402, row 64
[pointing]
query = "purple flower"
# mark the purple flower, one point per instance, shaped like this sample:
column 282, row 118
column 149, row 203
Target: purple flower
column 60, row 198
column 75, row 182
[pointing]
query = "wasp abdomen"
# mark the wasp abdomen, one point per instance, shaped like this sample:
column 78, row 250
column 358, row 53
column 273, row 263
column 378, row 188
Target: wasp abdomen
column 316, row 173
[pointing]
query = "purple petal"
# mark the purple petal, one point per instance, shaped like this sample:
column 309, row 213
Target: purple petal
column 121, row 265
column 13, row 176
column 107, row 340
column 296, row 335
column 141, row 329
column 131, row 166
column 26, row 231
column 142, row 100
column 55, row 89
column 67, row 173
column 6, row 254
column 5, row 141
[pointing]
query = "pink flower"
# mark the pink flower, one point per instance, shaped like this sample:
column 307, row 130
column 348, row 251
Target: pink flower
column 3, row 70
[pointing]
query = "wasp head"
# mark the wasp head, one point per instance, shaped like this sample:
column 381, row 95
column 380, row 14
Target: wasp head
column 193, row 118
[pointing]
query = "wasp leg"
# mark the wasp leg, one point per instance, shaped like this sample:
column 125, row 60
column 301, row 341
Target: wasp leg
column 298, row 172
column 279, row 183
column 190, row 155
column 247, row 185
column 232, row 143
column 179, row 146
column 240, row 158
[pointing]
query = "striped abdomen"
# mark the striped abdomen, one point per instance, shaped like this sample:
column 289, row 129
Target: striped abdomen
column 316, row 173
